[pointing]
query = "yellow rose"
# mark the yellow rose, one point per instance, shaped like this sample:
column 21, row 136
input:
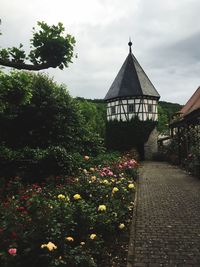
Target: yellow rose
column 50, row 246
column 77, row 197
column 93, row 236
column 61, row 196
column 101, row 208
column 130, row 186
column 121, row 226
column 93, row 178
column 69, row 238
column 115, row 189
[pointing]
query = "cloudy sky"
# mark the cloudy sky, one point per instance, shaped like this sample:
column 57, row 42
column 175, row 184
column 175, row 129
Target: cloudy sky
column 165, row 36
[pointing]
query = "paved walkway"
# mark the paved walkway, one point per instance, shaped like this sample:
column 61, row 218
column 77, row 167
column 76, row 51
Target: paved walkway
column 166, row 230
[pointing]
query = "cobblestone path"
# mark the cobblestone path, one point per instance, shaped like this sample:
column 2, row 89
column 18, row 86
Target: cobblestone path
column 166, row 230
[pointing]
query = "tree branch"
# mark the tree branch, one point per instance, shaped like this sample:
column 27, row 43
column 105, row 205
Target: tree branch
column 24, row 66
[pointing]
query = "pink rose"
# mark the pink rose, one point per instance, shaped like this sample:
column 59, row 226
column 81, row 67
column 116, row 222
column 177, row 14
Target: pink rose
column 12, row 251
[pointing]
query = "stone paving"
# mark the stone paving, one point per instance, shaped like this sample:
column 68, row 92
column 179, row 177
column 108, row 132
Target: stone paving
column 166, row 228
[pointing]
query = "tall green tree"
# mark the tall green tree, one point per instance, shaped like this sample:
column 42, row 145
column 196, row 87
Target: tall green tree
column 94, row 115
column 38, row 113
column 43, row 131
column 163, row 121
column 50, row 48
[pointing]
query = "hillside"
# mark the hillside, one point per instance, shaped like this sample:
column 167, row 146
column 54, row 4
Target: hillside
column 169, row 108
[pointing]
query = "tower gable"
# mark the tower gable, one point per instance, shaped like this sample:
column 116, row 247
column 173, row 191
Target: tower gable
column 131, row 81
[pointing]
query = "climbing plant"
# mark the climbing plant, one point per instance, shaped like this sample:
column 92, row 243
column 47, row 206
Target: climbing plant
column 127, row 135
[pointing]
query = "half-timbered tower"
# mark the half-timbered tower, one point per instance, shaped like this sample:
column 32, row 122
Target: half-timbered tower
column 132, row 93
column 131, row 97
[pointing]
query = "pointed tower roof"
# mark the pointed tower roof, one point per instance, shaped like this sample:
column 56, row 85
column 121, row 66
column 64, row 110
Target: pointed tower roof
column 131, row 80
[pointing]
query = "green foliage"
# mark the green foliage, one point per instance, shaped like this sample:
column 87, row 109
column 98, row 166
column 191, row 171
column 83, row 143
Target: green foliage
column 50, row 48
column 39, row 114
column 94, row 114
column 124, row 136
column 15, row 90
column 163, row 121
column 84, row 218
column 169, row 108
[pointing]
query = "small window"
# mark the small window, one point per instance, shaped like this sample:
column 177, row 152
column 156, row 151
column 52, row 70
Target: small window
column 131, row 108
column 150, row 108
column 113, row 110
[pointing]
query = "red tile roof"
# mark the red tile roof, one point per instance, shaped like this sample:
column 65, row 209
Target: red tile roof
column 192, row 104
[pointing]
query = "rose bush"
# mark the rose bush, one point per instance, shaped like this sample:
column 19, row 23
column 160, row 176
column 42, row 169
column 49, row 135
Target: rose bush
column 74, row 222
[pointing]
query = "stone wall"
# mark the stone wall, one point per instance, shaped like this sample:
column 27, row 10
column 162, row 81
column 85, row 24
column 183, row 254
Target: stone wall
column 151, row 146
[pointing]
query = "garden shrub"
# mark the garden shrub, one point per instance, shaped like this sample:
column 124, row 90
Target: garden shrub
column 41, row 124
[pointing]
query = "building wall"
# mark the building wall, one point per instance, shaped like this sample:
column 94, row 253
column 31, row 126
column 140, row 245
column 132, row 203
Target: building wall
column 151, row 146
column 141, row 109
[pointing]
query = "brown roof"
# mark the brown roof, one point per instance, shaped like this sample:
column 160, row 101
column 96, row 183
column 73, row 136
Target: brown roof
column 192, row 104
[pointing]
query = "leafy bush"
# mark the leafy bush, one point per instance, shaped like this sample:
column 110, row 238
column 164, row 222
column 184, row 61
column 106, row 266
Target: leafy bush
column 37, row 164
column 42, row 127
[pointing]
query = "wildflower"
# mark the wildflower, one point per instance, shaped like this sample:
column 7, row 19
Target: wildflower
column 121, row 226
column 61, row 196
column 86, row 158
column 93, row 236
column 105, row 181
column 130, row 186
column 101, row 208
column 50, row 246
column 115, row 189
column 77, row 197
column 82, row 243
column 69, row 238
column 92, row 169
column 12, row 251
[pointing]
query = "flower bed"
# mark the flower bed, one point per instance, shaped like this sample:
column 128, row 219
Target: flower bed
column 78, row 221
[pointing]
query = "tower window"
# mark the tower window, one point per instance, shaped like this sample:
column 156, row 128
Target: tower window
column 131, row 108
column 113, row 110
column 150, row 108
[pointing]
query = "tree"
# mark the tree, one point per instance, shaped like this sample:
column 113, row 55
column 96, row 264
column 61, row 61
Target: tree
column 50, row 49
column 37, row 112
column 94, row 112
column 42, row 129
column 163, row 121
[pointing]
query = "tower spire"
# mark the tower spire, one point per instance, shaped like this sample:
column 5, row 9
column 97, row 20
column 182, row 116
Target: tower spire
column 130, row 44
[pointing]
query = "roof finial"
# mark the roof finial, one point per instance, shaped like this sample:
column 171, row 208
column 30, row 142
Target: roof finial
column 130, row 44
